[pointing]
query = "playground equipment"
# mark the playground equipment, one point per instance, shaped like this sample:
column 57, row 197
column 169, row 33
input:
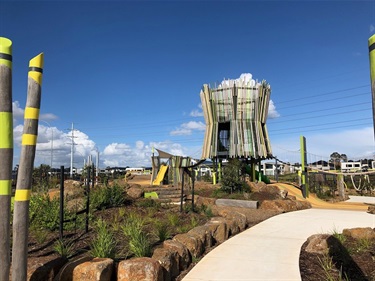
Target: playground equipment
column 235, row 113
column 161, row 174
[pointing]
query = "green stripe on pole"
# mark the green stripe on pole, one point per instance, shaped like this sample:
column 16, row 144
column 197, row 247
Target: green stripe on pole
column 5, row 187
column 371, row 44
column 6, row 51
column 6, row 130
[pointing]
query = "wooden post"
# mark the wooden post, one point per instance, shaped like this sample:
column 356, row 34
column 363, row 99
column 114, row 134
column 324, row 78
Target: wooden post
column 24, row 180
column 371, row 47
column 6, row 153
column 304, row 178
column 340, row 186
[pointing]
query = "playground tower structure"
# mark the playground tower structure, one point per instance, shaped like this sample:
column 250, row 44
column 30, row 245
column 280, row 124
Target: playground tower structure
column 235, row 113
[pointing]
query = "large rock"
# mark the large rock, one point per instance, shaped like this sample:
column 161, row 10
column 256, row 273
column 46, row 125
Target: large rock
column 169, row 260
column 360, row 232
column 219, row 229
column 44, row 268
column 134, row 192
column 97, row 269
column 317, row 244
column 182, row 251
column 371, row 209
column 193, row 244
column 284, row 206
column 140, row 269
column 204, row 234
column 66, row 272
column 231, row 214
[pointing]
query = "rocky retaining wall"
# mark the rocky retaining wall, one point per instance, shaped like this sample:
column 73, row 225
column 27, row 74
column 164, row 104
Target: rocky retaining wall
column 173, row 256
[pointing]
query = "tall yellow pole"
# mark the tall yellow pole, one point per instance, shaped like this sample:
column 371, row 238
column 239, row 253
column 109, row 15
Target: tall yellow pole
column 371, row 47
column 6, row 153
column 24, row 180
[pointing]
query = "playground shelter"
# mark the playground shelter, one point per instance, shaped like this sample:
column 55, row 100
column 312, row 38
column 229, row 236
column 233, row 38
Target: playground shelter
column 166, row 168
column 235, row 113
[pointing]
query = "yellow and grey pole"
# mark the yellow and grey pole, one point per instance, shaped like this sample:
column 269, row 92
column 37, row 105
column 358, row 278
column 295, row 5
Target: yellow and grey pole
column 26, row 165
column 371, row 48
column 6, row 153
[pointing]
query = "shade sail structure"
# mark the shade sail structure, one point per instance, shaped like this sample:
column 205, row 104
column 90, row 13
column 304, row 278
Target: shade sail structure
column 235, row 113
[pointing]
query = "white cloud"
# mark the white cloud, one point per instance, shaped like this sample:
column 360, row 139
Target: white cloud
column 188, row 128
column 18, row 114
column 181, row 132
column 372, row 28
column 197, row 112
column 272, row 113
column 121, row 154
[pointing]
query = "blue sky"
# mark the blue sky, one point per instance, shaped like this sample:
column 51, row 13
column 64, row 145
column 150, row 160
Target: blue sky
column 128, row 73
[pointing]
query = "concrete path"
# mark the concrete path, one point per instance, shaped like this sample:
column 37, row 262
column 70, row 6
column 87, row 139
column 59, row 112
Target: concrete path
column 270, row 250
column 363, row 199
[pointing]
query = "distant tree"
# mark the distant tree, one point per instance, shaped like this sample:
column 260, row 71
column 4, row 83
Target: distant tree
column 336, row 159
column 344, row 158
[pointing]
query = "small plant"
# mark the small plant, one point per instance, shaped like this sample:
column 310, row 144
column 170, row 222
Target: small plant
column 148, row 203
column 139, row 240
column 174, row 219
column 39, row 234
column 208, row 212
column 194, row 221
column 339, row 236
column 363, row 244
column 327, row 264
column 64, row 248
column 162, row 231
column 104, row 243
column 105, row 197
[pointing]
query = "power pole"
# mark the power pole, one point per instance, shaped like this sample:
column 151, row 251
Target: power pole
column 6, row 153
column 72, row 151
column 24, row 179
column 371, row 47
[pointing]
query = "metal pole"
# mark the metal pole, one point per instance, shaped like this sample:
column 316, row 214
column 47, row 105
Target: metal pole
column 6, row 153
column 371, row 47
column 304, row 178
column 192, row 188
column 182, row 191
column 72, row 153
column 62, row 175
column 24, row 180
column 87, row 199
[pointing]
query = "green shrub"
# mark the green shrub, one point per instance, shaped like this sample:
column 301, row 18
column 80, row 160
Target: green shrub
column 104, row 243
column 105, row 197
column 64, row 248
column 232, row 180
column 162, row 231
column 138, row 240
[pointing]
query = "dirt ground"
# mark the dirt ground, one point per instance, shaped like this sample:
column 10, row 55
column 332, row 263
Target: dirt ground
column 310, row 267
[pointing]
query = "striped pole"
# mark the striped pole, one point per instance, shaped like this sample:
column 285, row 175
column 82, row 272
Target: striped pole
column 24, row 180
column 6, row 153
column 371, row 48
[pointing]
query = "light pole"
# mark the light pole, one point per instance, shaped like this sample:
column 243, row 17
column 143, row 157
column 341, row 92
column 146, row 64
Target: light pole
column 51, row 141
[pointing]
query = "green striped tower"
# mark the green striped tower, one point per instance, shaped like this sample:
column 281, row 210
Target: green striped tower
column 24, row 180
column 6, row 153
column 371, row 47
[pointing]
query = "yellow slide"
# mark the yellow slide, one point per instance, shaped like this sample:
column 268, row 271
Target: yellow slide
column 160, row 176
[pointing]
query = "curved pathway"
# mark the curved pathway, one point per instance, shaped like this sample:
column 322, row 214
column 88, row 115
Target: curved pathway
column 270, row 250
